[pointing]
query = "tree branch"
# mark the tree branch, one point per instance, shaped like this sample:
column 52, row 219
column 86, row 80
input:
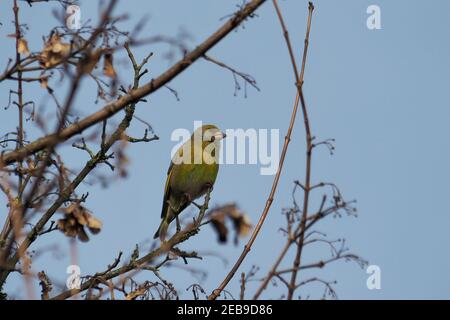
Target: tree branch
column 67, row 192
column 136, row 94
column 136, row 264
column 299, row 81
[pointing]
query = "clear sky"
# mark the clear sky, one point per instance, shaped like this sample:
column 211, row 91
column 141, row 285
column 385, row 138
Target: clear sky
column 382, row 94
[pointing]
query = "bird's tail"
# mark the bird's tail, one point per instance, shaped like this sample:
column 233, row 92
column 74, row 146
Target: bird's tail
column 162, row 230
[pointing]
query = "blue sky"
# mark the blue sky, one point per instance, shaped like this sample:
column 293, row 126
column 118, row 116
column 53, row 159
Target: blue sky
column 382, row 94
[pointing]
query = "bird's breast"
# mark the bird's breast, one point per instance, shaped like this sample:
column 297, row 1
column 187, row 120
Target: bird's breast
column 192, row 178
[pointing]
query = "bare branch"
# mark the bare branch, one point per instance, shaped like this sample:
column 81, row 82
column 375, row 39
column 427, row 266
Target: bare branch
column 287, row 139
column 136, row 94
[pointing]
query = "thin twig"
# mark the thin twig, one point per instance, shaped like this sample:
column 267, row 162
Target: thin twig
column 306, row 185
column 165, row 247
column 65, row 194
column 112, row 108
column 287, row 139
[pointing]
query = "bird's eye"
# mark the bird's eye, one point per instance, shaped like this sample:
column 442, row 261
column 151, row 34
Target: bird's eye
column 213, row 138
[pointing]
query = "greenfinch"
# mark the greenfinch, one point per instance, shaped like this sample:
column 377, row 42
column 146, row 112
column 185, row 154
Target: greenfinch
column 193, row 170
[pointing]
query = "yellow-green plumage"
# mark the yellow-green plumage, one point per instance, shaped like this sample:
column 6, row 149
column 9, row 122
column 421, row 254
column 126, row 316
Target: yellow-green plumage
column 188, row 180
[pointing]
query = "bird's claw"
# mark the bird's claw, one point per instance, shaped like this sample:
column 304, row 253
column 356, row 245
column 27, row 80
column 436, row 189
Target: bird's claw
column 209, row 186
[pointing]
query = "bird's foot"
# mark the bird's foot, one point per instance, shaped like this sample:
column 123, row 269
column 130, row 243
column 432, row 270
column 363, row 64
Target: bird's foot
column 187, row 198
column 209, row 186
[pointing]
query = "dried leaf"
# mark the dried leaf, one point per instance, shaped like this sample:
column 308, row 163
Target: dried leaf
column 23, row 47
column 76, row 218
column 61, row 224
column 92, row 60
column 81, row 216
column 46, row 285
column 218, row 223
column 239, row 219
column 44, row 82
column 94, row 224
column 54, row 52
column 82, row 235
column 108, row 66
column 121, row 158
column 243, row 225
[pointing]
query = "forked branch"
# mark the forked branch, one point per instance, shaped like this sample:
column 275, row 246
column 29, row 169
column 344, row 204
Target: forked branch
column 299, row 97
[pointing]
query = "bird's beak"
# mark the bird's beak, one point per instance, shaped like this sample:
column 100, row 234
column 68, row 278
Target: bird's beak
column 219, row 136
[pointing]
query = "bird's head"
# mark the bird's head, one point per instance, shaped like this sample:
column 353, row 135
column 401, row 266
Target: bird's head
column 209, row 133
column 207, row 138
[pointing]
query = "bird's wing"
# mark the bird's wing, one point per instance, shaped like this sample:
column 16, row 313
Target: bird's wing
column 167, row 191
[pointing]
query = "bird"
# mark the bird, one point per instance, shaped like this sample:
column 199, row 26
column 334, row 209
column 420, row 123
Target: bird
column 192, row 172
